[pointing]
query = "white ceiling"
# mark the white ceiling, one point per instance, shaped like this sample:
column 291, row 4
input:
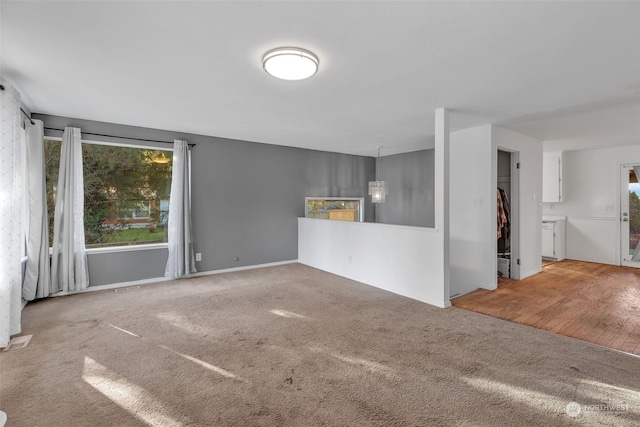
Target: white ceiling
column 564, row 72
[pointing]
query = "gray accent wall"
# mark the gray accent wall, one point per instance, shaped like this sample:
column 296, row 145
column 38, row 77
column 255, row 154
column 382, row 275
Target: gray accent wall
column 246, row 198
column 410, row 182
column 118, row 267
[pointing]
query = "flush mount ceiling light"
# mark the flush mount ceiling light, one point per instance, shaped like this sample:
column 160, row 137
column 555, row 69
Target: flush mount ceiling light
column 290, row 63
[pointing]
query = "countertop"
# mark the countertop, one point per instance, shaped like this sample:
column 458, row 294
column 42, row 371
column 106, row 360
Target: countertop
column 553, row 218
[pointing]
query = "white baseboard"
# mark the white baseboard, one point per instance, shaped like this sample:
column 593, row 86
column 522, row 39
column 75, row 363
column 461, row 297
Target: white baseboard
column 165, row 279
column 530, row 273
column 247, row 267
column 113, row 286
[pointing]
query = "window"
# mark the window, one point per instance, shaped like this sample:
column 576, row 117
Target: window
column 126, row 192
column 335, row 208
column 634, row 211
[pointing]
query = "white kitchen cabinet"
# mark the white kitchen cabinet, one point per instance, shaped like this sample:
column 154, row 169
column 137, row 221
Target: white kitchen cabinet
column 552, row 177
column 553, row 239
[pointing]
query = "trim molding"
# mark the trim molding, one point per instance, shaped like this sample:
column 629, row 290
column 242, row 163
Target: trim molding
column 126, row 248
column 248, row 267
column 593, row 218
column 530, row 273
column 167, row 279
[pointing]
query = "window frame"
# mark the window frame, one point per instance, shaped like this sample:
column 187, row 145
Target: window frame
column 123, row 248
column 359, row 200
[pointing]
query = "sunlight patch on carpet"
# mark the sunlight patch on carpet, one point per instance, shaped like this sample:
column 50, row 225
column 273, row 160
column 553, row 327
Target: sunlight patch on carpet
column 182, row 322
column 532, row 398
column 18, row 342
column 124, row 330
column 133, row 398
column 610, row 393
column 209, row 366
column 288, row 314
column 366, row 364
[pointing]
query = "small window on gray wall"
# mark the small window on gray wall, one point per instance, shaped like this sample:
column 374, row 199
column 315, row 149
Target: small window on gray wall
column 338, row 209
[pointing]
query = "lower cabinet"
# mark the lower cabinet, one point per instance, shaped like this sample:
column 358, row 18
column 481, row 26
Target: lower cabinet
column 553, row 240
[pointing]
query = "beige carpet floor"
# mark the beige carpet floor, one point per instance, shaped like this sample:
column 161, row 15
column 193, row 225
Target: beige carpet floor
column 294, row 346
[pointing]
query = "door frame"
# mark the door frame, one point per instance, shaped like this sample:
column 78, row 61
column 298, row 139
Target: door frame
column 514, row 205
column 622, row 197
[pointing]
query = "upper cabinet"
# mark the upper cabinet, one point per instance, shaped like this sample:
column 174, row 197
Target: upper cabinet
column 552, row 191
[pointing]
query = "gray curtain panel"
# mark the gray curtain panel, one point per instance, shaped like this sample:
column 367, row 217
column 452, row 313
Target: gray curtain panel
column 181, row 261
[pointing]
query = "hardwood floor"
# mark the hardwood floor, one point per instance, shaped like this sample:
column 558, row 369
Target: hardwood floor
column 592, row 302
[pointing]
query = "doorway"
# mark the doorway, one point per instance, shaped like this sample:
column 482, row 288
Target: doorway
column 507, row 180
column 630, row 216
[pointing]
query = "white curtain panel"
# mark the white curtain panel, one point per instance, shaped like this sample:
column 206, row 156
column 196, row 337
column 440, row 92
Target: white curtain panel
column 69, row 259
column 636, row 254
column 180, row 262
column 37, row 276
column 11, row 193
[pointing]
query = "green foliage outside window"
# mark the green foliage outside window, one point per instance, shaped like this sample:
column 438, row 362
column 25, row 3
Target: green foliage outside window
column 126, row 193
column 634, row 221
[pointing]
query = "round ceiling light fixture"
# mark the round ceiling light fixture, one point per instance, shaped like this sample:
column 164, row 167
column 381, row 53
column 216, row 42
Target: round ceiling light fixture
column 290, row 63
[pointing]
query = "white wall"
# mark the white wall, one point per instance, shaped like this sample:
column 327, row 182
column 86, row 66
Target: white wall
column 591, row 189
column 471, row 225
column 401, row 259
column 530, row 209
column 473, row 177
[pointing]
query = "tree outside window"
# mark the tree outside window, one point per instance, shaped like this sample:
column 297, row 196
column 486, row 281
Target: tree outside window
column 126, row 192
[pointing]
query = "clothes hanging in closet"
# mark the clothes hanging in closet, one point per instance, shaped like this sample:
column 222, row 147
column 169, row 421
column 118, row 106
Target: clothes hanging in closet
column 502, row 218
column 504, row 215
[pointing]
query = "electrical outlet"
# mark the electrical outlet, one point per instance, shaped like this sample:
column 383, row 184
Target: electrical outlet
column 350, row 259
column 477, row 202
column 236, row 259
column 198, row 256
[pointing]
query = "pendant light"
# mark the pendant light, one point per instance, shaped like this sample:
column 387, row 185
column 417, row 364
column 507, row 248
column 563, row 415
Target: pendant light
column 377, row 188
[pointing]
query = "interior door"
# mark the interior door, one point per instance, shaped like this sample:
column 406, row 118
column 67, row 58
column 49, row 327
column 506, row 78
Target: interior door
column 629, row 214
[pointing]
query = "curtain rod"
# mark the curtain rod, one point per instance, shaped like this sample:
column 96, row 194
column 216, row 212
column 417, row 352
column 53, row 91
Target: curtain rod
column 27, row 116
column 120, row 137
column 98, row 134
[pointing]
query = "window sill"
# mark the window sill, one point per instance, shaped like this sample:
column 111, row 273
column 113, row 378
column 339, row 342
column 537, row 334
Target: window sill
column 128, row 248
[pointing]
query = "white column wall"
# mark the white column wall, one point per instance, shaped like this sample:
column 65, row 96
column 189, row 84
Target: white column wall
column 472, row 211
column 473, row 205
column 530, row 229
column 441, row 193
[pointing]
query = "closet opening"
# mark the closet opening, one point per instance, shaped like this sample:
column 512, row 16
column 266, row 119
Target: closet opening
column 507, row 215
